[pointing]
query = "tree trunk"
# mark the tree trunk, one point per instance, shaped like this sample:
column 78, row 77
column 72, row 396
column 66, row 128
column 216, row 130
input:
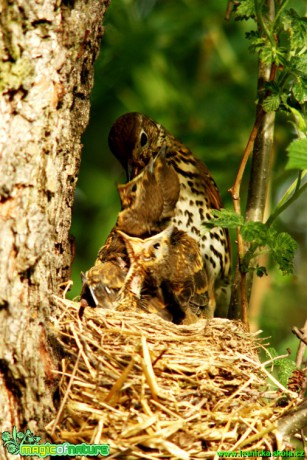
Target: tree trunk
column 47, row 52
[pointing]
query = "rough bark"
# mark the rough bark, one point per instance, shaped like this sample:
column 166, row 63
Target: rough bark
column 47, row 52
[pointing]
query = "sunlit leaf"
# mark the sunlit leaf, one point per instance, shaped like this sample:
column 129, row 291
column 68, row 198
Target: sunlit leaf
column 225, row 218
column 300, row 92
column 255, row 232
column 245, row 9
column 271, row 103
column 283, row 248
column 297, row 154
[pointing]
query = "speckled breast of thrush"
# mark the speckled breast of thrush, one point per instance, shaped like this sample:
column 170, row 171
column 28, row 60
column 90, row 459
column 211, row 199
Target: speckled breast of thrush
column 135, row 139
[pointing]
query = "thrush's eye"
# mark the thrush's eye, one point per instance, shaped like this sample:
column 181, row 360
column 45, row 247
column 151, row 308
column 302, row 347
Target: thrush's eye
column 134, row 187
column 144, row 139
column 156, row 246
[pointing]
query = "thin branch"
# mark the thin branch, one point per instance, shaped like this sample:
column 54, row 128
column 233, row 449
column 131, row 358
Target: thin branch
column 292, row 189
column 228, row 10
column 281, row 8
column 235, row 193
column 293, row 422
column 284, row 206
column 262, row 26
column 301, row 334
column 235, row 189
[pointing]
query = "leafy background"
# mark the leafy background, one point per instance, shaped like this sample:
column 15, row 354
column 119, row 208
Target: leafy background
column 184, row 65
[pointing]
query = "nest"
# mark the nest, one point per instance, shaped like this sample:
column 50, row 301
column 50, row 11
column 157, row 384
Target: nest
column 152, row 389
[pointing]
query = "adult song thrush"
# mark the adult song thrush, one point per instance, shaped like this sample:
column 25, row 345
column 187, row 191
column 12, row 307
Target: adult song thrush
column 169, row 261
column 135, row 140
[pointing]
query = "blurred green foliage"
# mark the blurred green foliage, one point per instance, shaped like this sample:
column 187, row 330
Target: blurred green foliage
column 184, row 65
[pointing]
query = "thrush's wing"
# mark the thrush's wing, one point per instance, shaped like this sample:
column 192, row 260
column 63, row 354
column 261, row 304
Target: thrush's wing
column 127, row 194
column 146, row 210
column 113, row 249
column 199, row 301
column 130, row 191
column 169, row 185
column 155, row 305
column 185, row 255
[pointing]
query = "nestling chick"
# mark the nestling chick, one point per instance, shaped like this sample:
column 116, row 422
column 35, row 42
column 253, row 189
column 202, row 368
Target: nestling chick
column 102, row 282
column 171, row 262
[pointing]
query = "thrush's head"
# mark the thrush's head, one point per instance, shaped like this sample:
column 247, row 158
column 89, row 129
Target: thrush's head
column 134, row 139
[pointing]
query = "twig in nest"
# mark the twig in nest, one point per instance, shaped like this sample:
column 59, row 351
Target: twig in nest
column 148, row 370
column 114, row 393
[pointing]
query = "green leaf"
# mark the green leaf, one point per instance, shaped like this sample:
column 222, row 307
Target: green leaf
column 299, row 63
column 252, row 35
column 297, row 154
column 271, row 103
column 297, row 27
column 300, row 92
column 286, row 368
column 300, row 122
column 283, row 248
column 271, row 352
column 256, row 43
column 245, row 9
column 266, row 54
column 255, row 232
column 225, row 218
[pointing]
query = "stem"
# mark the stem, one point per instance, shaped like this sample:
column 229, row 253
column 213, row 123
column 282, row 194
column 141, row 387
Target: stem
column 260, row 140
column 235, row 189
column 262, row 153
column 261, row 169
column 240, row 287
column 283, row 79
column 283, row 6
column 228, row 10
column 285, row 205
column 302, row 335
column 261, row 22
column 299, row 180
column 294, row 186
